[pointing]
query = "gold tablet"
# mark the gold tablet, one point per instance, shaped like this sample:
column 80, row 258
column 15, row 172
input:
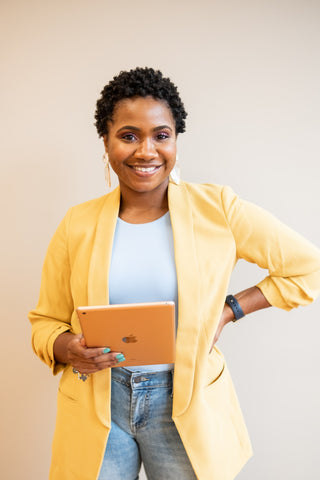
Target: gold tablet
column 143, row 332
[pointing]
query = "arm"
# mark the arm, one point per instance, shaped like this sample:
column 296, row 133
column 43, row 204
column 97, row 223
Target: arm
column 292, row 261
column 250, row 300
column 52, row 316
column 53, row 339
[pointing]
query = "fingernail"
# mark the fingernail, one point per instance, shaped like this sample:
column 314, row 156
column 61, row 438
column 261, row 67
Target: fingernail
column 120, row 357
column 106, row 350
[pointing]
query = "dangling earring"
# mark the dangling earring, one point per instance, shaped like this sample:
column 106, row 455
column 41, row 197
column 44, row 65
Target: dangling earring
column 175, row 173
column 107, row 174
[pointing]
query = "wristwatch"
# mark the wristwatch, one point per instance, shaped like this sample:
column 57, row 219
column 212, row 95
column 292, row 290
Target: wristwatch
column 235, row 307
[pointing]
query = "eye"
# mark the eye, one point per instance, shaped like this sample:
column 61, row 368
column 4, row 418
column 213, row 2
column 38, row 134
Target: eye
column 128, row 137
column 162, row 136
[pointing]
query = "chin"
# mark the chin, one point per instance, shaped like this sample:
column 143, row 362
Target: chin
column 147, row 187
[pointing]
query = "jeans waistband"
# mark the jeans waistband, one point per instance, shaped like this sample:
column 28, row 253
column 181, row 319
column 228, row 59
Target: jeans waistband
column 142, row 379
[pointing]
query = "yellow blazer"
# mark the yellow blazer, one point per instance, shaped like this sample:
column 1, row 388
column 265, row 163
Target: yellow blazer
column 212, row 229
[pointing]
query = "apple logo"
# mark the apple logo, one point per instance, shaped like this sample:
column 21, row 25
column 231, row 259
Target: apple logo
column 130, row 339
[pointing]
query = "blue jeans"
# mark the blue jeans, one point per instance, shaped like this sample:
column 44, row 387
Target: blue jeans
column 142, row 429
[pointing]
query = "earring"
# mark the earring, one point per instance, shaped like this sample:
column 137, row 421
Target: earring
column 107, row 174
column 175, row 173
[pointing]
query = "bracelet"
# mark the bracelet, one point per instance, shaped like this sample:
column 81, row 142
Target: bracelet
column 235, row 307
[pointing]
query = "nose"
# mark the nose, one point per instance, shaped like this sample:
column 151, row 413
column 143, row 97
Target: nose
column 146, row 150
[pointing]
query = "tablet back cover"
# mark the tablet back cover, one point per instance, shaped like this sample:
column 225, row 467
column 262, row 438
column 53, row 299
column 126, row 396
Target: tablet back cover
column 143, row 332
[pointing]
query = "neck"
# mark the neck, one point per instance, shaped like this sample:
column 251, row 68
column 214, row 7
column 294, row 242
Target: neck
column 140, row 207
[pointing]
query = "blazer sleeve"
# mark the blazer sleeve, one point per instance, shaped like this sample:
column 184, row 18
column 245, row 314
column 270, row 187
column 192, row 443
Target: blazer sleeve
column 292, row 261
column 52, row 315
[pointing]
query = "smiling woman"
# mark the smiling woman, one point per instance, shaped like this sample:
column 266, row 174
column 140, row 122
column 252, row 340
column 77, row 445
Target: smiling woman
column 155, row 238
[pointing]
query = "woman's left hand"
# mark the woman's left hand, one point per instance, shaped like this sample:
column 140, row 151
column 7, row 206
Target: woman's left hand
column 226, row 317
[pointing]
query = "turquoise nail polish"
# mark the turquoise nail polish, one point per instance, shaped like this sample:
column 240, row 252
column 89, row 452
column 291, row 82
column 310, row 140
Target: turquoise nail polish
column 106, row 350
column 120, row 357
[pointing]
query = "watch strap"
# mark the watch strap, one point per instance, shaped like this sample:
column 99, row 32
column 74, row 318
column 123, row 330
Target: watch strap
column 235, row 307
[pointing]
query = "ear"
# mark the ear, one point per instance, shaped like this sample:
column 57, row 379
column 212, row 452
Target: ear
column 105, row 141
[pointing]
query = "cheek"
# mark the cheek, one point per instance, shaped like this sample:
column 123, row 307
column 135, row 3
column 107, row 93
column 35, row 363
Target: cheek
column 172, row 153
column 170, row 150
column 118, row 153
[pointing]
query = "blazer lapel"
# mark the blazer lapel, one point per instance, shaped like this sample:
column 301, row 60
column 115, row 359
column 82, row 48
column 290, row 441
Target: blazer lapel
column 98, row 289
column 188, row 295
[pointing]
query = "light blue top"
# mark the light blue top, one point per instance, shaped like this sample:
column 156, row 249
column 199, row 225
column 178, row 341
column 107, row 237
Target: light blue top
column 143, row 268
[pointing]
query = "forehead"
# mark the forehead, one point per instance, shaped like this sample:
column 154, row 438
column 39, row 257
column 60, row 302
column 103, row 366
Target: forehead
column 142, row 110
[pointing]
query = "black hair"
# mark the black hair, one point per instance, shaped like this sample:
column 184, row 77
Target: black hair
column 140, row 82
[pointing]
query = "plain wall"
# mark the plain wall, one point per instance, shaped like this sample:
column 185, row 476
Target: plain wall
column 249, row 74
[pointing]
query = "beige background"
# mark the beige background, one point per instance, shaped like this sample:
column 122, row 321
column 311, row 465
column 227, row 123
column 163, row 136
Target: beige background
column 249, row 74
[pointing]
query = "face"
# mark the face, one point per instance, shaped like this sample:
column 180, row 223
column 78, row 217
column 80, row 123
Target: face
column 141, row 144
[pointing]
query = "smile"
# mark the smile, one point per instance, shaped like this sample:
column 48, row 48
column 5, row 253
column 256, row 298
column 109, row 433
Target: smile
column 145, row 169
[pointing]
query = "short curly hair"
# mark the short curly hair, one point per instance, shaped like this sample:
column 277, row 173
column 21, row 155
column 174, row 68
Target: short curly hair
column 139, row 82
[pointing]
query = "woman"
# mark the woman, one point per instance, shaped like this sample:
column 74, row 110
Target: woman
column 156, row 239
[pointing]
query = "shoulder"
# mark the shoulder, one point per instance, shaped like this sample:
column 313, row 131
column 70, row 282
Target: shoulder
column 217, row 195
column 86, row 215
column 89, row 206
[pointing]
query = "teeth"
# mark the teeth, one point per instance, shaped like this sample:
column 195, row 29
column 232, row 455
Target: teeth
column 145, row 169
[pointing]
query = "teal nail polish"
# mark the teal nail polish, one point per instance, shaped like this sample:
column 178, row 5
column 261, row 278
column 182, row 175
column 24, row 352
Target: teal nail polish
column 120, row 357
column 106, row 350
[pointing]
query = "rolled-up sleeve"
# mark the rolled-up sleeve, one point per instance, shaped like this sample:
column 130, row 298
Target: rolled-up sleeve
column 52, row 315
column 292, row 261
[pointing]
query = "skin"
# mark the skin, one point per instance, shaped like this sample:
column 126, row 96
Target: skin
column 141, row 135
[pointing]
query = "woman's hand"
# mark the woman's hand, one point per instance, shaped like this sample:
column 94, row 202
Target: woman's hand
column 226, row 317
column 71, row 349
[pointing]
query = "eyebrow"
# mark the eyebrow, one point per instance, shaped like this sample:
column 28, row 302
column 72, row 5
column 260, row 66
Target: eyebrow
column 136, row 129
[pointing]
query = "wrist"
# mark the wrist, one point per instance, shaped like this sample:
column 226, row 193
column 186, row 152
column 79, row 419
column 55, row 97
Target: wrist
column 235, row 307
column 60, row 347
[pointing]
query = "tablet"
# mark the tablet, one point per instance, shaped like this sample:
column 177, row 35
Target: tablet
column 143, row 332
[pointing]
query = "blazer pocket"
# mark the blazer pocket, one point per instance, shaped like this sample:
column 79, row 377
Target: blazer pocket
column 215, row 367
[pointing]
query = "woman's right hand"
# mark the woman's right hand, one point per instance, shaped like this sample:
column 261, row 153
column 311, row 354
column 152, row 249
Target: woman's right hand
column 72, row 349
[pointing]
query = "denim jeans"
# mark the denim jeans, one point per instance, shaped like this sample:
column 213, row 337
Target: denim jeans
column 142, row 429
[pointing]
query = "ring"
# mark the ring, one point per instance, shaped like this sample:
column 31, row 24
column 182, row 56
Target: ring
column 81, row 376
